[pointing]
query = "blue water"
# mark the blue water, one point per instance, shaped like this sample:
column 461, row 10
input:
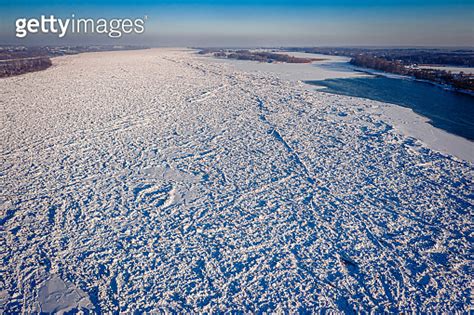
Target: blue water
column 447, row 110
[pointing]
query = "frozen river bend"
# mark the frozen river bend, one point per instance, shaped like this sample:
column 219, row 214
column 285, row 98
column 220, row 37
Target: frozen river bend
column 151, row 180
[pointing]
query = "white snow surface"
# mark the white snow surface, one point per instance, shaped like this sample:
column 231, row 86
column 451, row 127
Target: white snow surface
column 405, row 120
column 155, row 181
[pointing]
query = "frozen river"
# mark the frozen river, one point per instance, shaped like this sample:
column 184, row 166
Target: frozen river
column 448, row 110
column 154, row 180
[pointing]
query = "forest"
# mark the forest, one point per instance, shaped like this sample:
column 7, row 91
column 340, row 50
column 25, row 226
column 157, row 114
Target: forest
column 13, row 67
column 456, row 80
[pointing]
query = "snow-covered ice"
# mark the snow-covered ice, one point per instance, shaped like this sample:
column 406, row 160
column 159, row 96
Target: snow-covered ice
column 333, row 67
column 154, row 180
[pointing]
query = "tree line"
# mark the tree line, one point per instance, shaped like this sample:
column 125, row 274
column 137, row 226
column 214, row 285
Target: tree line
column 457, row 80
column 20, row 66
column 261, row 56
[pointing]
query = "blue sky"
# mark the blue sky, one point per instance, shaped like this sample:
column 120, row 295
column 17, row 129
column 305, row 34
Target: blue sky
column 265, row 22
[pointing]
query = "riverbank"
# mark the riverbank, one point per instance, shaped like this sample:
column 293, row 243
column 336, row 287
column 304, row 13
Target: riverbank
column 406, row 77
column 12, row 67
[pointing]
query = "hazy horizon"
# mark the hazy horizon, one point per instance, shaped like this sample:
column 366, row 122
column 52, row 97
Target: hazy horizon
column 189, row 23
